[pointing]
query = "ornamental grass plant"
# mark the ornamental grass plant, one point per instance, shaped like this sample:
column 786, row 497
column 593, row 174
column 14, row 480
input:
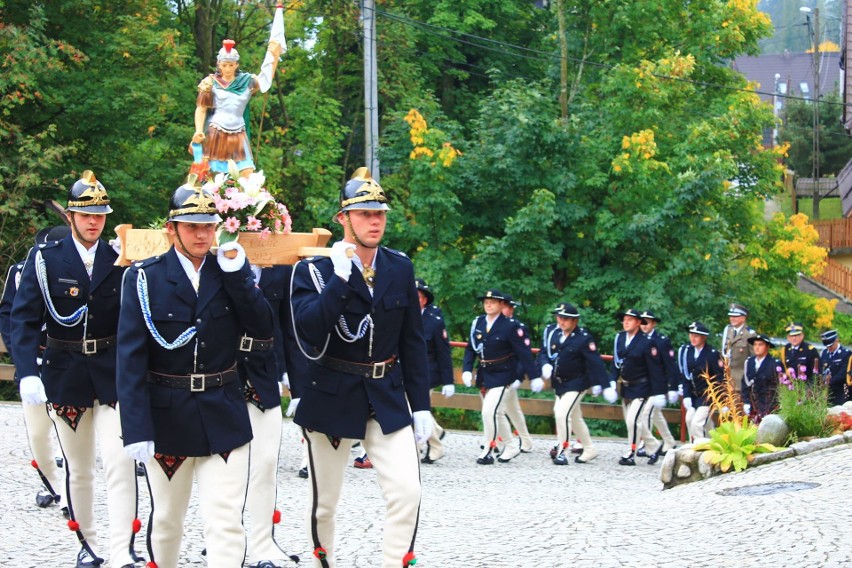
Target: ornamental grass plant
column 803, row 405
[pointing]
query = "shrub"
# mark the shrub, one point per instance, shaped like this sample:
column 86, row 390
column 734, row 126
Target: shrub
column 733, row 443
column 803, row 406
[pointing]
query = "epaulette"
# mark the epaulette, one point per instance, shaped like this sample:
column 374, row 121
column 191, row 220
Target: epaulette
column 583, row 331
column 49, row 244
column 396, row 252
column 147, row 262
column 206, row 84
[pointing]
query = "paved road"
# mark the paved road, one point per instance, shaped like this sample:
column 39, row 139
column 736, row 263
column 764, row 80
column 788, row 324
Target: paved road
column 524, row 514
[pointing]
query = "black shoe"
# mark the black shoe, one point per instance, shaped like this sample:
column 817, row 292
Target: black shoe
column 60, row 462
column 265, row 564
column 86, row 560
column 560, row 459
column 426, row 459
column 487, row 460
column 303, row 473
column 656, row 455
column 44, row 499
column 136, row 557
column 441, row 437
column 640, row 453
column 65, row 512
column 553, row 451
column 627, row 461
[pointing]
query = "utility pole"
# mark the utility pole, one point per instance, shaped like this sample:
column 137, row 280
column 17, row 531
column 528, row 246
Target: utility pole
column 815, row 172
column 371, row 89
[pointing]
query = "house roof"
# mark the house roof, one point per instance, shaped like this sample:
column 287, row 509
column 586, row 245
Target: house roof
column 794, row 70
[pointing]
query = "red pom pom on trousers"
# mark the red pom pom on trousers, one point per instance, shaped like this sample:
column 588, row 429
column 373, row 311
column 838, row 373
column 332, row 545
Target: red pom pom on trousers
column 409, row 559
column 34, row 464
column 73, row 525
column 137, row 526
column 276, row 517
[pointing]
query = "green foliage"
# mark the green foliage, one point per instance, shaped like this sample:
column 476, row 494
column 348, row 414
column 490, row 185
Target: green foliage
column 835, row 145
column 733, row 443
column 803, row 407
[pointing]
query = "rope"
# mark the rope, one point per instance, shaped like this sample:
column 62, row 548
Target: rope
column 144, row 302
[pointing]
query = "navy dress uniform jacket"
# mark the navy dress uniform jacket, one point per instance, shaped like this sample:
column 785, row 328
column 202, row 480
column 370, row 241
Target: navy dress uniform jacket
column 10, row 287
column 835, row 369
column 576, row 361
column 70, row 378
column 505, row 344
column 667, row 357
column 263, row 369
column 438, row 349
column 803, row 359
column 297, row 362
column 760, row 384
column 179, row 421
column 638, row 366
column 339, row 403
column 693, row 372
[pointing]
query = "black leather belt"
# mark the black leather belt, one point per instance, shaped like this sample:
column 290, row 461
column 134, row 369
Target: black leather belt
column 484, row 363
column 195, row 382
column 87, row 347
column 251, row 344
column 368, row 370
column 635, row 382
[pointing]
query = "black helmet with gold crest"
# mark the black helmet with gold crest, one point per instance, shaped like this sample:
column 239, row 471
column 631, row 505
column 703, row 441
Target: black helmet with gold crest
column 192, row 204
column 87, row 195
column 363, row 192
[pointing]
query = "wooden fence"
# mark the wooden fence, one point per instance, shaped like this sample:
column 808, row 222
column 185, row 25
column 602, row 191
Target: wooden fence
column 834, row 233
column 836, row 278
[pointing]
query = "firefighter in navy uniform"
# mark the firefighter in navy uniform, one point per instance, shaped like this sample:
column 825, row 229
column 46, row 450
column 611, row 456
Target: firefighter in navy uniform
column 440, row 363
column 498, row 343
column 73, row 288
column 798, row 357
column 638, row 377
column 699, row 366
column 512, row 404
column 361, row 314
column 666, row 354
column 760, row 379
column 262, row 365
column 569, row 357
column 835, row 367
column 182, row 317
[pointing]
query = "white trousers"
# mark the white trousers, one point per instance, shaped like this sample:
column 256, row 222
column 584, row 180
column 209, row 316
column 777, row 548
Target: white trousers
column 261, row 496
column 569, row 416
column 699, row 422
column 78, row 449
column 221, row 495
column 396, row 462
column 434, row 446
column 493, row 407
column 658, row 420
column 42, row 439
column 512, row 411
column 637, row 418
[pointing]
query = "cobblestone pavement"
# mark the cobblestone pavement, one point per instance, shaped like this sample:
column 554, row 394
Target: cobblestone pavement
column 527, row 513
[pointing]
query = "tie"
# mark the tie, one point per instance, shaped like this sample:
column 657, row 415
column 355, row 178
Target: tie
column 369, row 275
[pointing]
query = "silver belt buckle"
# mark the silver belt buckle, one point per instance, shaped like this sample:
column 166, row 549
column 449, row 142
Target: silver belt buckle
column 246, row 343
column 196, row 383
column 90, row 346
column 379, row 370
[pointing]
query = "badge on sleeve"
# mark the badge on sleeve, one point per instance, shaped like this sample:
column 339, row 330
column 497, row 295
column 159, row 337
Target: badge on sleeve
column 520, row 332
column 445, row 334
column 592, row 346
column 653, row 351
column 671, row 353
column 74, row 291
column 527, row 342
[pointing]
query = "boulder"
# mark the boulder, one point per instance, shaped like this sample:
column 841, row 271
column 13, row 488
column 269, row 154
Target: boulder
column 772, row 430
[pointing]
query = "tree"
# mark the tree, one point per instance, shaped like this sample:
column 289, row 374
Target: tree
column 835, row 146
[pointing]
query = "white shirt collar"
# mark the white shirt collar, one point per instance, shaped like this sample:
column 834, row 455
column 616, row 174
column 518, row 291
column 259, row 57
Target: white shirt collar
column 188, row 268
column 86, row 255
column 357, row 260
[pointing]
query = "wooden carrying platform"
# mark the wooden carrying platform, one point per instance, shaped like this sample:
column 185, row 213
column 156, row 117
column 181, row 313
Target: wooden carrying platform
column 139, row 244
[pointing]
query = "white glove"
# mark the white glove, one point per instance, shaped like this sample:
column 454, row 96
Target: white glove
column 546, row 371
column 448, row 390
column 687, row 403
column 658, row 400
column 680, row 389
column 515, row 384
column 285, row 378
column 231, row 264
column 422, row 426
column 291, row 408
column 673, row 396
column 597, row 390
column 610, row 395
column 116, row 245
column 342, row 263
column 32, row 390
column 467, row 378
column 140, row 451
column 747, row 409
column 537, row 384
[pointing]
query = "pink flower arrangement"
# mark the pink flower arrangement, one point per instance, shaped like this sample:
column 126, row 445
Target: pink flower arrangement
column 247, row 206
